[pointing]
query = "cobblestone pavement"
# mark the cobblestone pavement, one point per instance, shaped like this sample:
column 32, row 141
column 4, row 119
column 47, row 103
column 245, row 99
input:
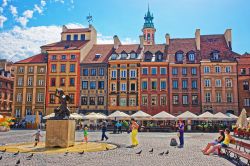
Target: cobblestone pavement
column 189, row 155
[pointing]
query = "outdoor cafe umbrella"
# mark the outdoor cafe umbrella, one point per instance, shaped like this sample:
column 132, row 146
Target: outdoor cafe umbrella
column 232, row 116
column 187, row 116
column 102, row 116
column 119, row 115
column 76, row 116
column 92, row 116
column 49, row 116
column 206, row 116
column 221, row 116
column 242, row 120
column 140, row 115
column 163, row 116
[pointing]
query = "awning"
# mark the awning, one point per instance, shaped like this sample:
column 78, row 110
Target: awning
column 164, row 116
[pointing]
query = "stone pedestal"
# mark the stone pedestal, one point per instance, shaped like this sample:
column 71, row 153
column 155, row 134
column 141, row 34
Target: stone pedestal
column 60, row 133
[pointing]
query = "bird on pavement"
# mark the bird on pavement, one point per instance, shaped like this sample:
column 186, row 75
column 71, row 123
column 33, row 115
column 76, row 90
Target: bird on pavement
column 167, row 152
column 107, row 148
column 82, row 152
column 1, row 157
column 66, row 153
column 151, row 151
column 18, row 162
column 15, row 154
column 30, row 156
column 139, row 152
column 161, row 153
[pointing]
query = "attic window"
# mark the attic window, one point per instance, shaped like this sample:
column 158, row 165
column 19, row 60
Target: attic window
column 124, row 56
column 98, row 55
column 215, row 55
column 113, row 57
column 66, row 46
column 133, row 55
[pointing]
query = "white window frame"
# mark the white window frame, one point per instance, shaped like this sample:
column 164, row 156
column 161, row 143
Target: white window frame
column 218, row 97
column 132, row 102
column 123, row 73
column 206, row 69
column 113, row 73
column 218, row 83
column 217, row 69
column 40, row 97
column 207, row 82
column 19, row 97
column 29, row 97
column 40, row 82
column 132, row 73
column 30, row 81
column 208, row 97
column 18, row 113
column 165, row 70
column 123, row 87
column 20, row 81
column 229, row 83
column 228, row 69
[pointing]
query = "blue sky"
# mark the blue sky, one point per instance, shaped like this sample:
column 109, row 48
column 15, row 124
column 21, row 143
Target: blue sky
column 179, row 18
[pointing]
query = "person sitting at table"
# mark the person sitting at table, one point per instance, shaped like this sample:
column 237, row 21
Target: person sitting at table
column 215, row 142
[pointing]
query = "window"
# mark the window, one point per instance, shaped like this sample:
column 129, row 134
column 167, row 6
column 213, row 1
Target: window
column 228, row 69
column 53, row 82
column 144, row 85
column 63, row 57
column 217, row 69
column 123, row 73
column 62, row 81
column 100, row 100
column 123, row 102
column 28, row 111
column 163, row 100
column 153, row 70
column 153, row 100
column 185, row 99
column 184, row 84
column 113, row 101
column 72, row 67
column 123, row 87
column 184, row 71
column 101, row 71
column 154, row 85
column 191, row 57
column 52, row 99
column 72, row 57
column 247, row 102
column 144, row 71
column 84, row 100
column 229, row 97
column 40, row 97
column 53, row 57
column 243, row 71
column 100, row 84
column 113, row 87
column 229, row 83
column 113, row 73
column 82, row 37
column 194, row 99
column 206, row 69
column 194, row 71
column 72, row 98
column 19, row 97
column 84, row 84
column 175, row 84
column 113, row 56
column 207, row 82
column 159, row 56
column 245, row 85
column 29, row 97
column 215, row 55
column 194, row 84
column 72, row 82
column 18, row 113
column 40, row 82
column 93, row 72
column 132, row 102
column 207, row 97
column 75, row 37
column 175, row 99
column 163, row 71
column 41, row 70
column 217, row 83
column 132, row 73
column 63, row 68
column 144, row 100
column 124, row 56
column 179, row 57
column 92, row 84
column 30, row 79
column 163, row 85
column 132, row 87
column 85, row 72
column 20, row 81
column 174, row 71
column 53, row 68
column 133, row 55
column 31, row 69
column 68, row 37
column 218, row 97
column 21, row 70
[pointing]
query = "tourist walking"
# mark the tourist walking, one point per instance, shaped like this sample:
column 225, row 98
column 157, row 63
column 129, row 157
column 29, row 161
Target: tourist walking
column 85, row 133
column 37, row 137
column 134, row 127
column 104, row 129
column 181, row 133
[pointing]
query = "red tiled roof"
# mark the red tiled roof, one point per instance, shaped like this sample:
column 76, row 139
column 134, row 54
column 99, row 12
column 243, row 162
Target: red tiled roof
column 154, row 48
column 77, row 30
column 65, row 45
column 39, row 58
column 105, row 50
column 185, row 45
column 128, row 48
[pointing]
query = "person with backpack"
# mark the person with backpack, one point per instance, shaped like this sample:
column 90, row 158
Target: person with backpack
column 134, row 127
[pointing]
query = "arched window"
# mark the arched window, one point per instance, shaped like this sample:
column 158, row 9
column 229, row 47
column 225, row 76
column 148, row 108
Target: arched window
column 148, row 36
column 191, row 56
column 215, row 55
column 179, row 56
column 159, row 56
column 148, row 56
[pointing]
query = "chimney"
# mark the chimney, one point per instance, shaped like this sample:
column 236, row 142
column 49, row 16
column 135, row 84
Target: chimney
column 167, row 37
column 198, row 39
column 64, row 28
column 141, row 41
column 228, row 37
column 117, row 42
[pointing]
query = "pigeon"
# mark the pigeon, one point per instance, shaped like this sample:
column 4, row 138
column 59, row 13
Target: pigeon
column 151, row 151
column 167, row 152
column 139, row 152
column 15, row 154
column 3, row 151
column 107, row 148
column 66, row 153
column 30, row 156
column 82, row 152
column 161, row 153
column 1, row 157
column 18, row 162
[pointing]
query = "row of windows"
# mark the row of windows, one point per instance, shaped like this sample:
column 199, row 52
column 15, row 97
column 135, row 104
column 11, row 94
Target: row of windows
column 163, row 71
column 92, row 85
column 179, row 56
column 63, row 57
column 40, row 82
column 124, row 55
column 123, row 101
column 40, row 97
column 175, row 84
column 92, row 100
column 63, row 68
column 207, row 69
column 218, row 98
column 93, row 72
column 62, row 82
column 228, row 83
column 185, row 100
column 132, row 87
column 52, row 98
column 184, row 71
column 154, row 101
column 75, row 37
column 243, row 71
column 163, row 85
column 31, row 69
column 132, row 73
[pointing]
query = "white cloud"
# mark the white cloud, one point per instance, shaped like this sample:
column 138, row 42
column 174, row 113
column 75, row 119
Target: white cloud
column 1, row 10
column 61, row 1
column 43, row 3
column 13, row 10
column 2, row 20
column 28, row 13
column 38, row 9
column 5, row 3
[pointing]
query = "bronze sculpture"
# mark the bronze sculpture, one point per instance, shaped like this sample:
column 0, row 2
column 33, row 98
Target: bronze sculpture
column 62, row 112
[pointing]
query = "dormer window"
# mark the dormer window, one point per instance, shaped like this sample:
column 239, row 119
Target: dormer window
column 191, row 56
column 98, row 55
column 68, row 38
column 124, row 55
column 159, row 56
column 148, row 56
column 133, row 55
column 215, row 55
column 113, row 56
column 179, row 56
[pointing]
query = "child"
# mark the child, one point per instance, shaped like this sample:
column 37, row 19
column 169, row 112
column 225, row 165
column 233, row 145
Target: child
column 37, row 137
column 85, row 133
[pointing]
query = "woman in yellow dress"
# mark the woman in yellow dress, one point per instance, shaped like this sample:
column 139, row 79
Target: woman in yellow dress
column 134, row 127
